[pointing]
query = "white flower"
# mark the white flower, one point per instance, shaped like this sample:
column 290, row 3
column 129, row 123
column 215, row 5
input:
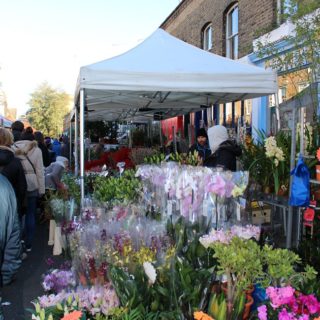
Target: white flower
column 150, row 272
column 276, row 162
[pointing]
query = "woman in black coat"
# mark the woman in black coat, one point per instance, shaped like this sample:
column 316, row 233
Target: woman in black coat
column 224, row 150
column 11, row 168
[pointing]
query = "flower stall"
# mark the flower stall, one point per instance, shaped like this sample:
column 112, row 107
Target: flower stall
column 169, row 241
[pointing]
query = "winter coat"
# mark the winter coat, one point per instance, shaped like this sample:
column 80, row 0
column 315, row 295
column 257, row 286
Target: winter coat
column 28, row 151
column 225, row 156
column 10, row 245
column 16, row 135
column 204, row 152
column 53, row 175
column 56, row 147
column 46, row 158
column 65, row 148
column 12, row 169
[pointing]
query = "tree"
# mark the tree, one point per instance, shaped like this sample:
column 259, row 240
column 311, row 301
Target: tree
column 299, row 60
column 48, row 107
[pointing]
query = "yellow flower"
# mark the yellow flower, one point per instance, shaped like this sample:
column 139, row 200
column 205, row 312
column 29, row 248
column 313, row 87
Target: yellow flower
column 199, row 315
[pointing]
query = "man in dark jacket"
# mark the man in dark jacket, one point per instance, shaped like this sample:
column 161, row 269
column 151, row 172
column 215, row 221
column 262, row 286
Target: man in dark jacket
column 201, row 145
column 224, row 151
column 10, row 246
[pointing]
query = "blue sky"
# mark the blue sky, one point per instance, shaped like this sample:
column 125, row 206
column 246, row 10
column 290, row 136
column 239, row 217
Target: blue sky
column 49, row 40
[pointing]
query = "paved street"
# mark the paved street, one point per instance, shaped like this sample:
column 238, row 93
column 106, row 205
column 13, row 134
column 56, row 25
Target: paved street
column 27, row 285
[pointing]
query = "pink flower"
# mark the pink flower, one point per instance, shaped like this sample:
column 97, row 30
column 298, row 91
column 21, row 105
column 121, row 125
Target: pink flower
column 262, row 312
column 218, row 186
column 285, row 315
column 311, row 302
column 280, row 296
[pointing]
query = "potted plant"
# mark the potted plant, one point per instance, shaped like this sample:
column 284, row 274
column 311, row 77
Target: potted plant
column 239, row 261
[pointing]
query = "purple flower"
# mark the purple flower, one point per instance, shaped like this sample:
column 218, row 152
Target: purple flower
column 50, row 262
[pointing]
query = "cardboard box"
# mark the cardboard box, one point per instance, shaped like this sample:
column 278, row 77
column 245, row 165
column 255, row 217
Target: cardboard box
column 261, row 215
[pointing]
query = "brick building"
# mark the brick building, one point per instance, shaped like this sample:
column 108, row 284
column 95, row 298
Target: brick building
column 229, row 28
column 242, row 20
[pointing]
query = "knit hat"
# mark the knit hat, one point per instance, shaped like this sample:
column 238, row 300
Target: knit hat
column 202, row 133
column 217, row 135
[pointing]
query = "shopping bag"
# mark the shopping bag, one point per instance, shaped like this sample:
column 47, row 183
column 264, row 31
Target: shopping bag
column 300, row 189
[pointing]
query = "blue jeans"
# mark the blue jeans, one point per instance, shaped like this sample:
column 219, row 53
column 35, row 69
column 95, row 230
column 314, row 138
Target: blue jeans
column 30, row 222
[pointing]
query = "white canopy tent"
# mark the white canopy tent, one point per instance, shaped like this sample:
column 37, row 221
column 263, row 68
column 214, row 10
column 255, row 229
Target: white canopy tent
column 166, row 76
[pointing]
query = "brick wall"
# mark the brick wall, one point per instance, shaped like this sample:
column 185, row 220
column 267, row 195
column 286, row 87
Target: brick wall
column 187, row 20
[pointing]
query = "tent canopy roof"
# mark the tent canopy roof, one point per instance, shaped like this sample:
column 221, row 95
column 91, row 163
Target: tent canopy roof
column 167, row 76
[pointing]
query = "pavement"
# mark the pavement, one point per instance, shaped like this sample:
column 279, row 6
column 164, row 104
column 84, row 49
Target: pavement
column 27, row 285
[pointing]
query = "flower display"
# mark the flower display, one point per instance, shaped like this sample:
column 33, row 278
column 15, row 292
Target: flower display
column 58, row 280
column 225, row 236
column 286, row 303
column 272, row 151
column 189, row 186
column 94, row 301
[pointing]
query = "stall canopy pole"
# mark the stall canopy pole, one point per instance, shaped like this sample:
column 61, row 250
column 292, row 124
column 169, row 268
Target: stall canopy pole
column 70, row 144
column 76, row 142
column 292, row 165
column 82, row 102
column 277, row 111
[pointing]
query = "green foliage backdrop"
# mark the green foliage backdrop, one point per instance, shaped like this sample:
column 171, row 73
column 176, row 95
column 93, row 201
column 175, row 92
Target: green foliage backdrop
column 48, row 107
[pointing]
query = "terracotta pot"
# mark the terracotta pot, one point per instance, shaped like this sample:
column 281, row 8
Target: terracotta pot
column 249, row 298
column 318, row 172
column 247, row 308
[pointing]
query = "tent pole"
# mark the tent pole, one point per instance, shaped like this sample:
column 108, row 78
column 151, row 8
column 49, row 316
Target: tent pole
column 82, row 103
column 277, row 112
column 76, row 142
column 70, row 144
column 160, row 133
column 292, row 165
column 174, row 139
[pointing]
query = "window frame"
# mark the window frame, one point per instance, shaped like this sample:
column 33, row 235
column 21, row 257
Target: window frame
column 230, row 37
column 206, row 43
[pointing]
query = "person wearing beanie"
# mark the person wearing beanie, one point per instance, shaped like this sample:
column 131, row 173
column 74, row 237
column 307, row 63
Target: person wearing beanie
column 224, row 150
column 17, row 127
column 201, row 146
column 27, row 134
column 54, row 172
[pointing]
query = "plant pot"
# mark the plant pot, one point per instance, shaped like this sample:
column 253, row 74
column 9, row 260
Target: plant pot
column 249, row 298
column 247, row 307
column 57, row 247
column 318, row 172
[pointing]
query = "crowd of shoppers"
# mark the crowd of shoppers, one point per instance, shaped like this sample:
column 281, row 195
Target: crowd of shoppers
column 29, row 164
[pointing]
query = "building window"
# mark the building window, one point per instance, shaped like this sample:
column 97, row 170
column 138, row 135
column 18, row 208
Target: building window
column 207, row 37
column 302, row 86
column 232, row 32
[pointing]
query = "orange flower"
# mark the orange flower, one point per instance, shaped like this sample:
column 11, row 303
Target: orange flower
column 199, row 315
column 318, row 154
column 75, row 315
